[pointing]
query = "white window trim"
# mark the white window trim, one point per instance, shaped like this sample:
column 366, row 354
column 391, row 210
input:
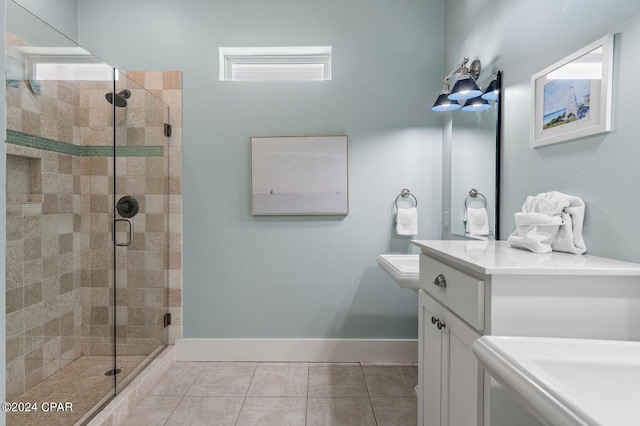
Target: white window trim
column 273, row 55
column 61, row 63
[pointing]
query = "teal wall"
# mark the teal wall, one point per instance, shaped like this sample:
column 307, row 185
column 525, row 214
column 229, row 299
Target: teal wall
column 525, row 36
column 309, row 277
column 60, row 14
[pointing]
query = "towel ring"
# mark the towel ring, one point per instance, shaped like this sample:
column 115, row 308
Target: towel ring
column 405, row 193
column 474, row 194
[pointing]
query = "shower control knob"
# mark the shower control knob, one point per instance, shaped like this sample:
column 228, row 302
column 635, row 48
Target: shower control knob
column 127, row 206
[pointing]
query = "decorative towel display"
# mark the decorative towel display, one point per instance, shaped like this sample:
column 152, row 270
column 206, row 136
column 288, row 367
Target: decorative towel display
column 407, row 221
column 477, row 221
column 550, row 221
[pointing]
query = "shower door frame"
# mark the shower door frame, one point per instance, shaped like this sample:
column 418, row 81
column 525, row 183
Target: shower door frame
column 126, row 246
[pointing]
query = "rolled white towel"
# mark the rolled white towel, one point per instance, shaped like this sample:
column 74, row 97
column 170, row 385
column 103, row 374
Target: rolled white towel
column 407, row 221
column 546, row 203
column 569, row 238
column 535, row 231
column 550, row 221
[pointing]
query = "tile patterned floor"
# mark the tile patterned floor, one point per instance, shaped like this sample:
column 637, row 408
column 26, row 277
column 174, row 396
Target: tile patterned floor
column 281, row 394
column 82, row 383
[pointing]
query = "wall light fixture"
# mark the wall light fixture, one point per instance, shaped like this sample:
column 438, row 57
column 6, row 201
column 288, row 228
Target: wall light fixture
column 491, row 92
column 443, row 103
column 465, row 89
column 476, row 104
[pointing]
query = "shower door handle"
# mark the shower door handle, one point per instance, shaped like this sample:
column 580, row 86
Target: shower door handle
column 130, row 238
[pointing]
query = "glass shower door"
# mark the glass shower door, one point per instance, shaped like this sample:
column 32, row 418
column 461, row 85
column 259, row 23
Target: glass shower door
column 141, row 224
column 86, row 291
column 59, row 335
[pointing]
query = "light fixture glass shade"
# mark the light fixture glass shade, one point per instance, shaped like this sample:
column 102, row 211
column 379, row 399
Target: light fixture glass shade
column 464, row 89
column 491, row 93
column 476, row 104
column 443, row 103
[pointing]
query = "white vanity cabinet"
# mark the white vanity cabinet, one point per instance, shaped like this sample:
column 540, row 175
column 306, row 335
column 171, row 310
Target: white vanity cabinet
column 452, row 382
column 473, row 288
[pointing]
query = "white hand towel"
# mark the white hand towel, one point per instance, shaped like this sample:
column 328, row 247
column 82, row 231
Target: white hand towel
column 550, row 221
column 477, row 221
column 407, row 221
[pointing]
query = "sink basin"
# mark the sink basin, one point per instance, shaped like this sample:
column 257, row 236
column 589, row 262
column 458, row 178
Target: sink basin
column 567, row 381
column 403, row 268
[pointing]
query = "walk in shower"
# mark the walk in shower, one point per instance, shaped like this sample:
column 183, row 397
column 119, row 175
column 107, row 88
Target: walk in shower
column 88, row 242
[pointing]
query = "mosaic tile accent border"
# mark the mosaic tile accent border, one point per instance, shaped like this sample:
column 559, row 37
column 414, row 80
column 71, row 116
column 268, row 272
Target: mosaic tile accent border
column 37, row 142
column 123, row 151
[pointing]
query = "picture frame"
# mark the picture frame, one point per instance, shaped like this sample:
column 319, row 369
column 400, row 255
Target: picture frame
column 572, row 98
column 299, row 175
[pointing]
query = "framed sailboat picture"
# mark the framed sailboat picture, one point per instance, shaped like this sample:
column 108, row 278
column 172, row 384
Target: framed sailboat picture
column 299, row 175
column 572, row 98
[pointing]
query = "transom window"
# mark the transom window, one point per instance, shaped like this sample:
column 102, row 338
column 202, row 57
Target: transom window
column 299, row 63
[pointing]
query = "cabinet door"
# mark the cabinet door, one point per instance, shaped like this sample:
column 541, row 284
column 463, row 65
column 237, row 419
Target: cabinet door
column 430, row 362
column 462, row 377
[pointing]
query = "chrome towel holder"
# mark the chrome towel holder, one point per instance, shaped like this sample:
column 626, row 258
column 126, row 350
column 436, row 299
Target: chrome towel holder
column 475, row 194
column 405, row 193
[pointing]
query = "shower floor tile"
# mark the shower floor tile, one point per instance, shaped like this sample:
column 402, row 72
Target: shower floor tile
column 81, row 383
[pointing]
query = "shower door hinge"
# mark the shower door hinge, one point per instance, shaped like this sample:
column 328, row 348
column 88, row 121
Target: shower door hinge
column 167, row 129
column 167, row 319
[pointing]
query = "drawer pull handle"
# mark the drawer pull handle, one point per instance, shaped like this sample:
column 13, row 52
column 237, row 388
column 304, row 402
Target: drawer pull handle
column 440, row 325
column 434, row 320
column 440, row 281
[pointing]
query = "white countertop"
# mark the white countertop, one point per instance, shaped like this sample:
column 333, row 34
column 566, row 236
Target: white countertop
column 496, row 257
column 567, row 381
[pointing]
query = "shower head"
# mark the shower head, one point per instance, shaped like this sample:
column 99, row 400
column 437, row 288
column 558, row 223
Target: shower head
column 118, row 99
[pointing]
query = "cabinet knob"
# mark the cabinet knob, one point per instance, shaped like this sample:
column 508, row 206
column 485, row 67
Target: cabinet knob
column 434, row 320
column 440, row 325
column 440, row 281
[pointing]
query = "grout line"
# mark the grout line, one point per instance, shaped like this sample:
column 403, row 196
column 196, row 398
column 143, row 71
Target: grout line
column 373, row 411
column 365, row 380
column 306, row 406
column 246, row 393
column 368, row 393
column 173, row 411
column 183, row 396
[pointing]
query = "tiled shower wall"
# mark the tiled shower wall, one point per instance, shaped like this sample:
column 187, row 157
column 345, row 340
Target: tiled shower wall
column 60, row 181
column 44, row 296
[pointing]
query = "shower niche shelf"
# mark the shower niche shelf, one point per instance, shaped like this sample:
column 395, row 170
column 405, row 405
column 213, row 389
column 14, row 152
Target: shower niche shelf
column 24, row 179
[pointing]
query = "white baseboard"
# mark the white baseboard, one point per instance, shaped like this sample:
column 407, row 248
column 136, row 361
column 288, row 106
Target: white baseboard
column 297, row 350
